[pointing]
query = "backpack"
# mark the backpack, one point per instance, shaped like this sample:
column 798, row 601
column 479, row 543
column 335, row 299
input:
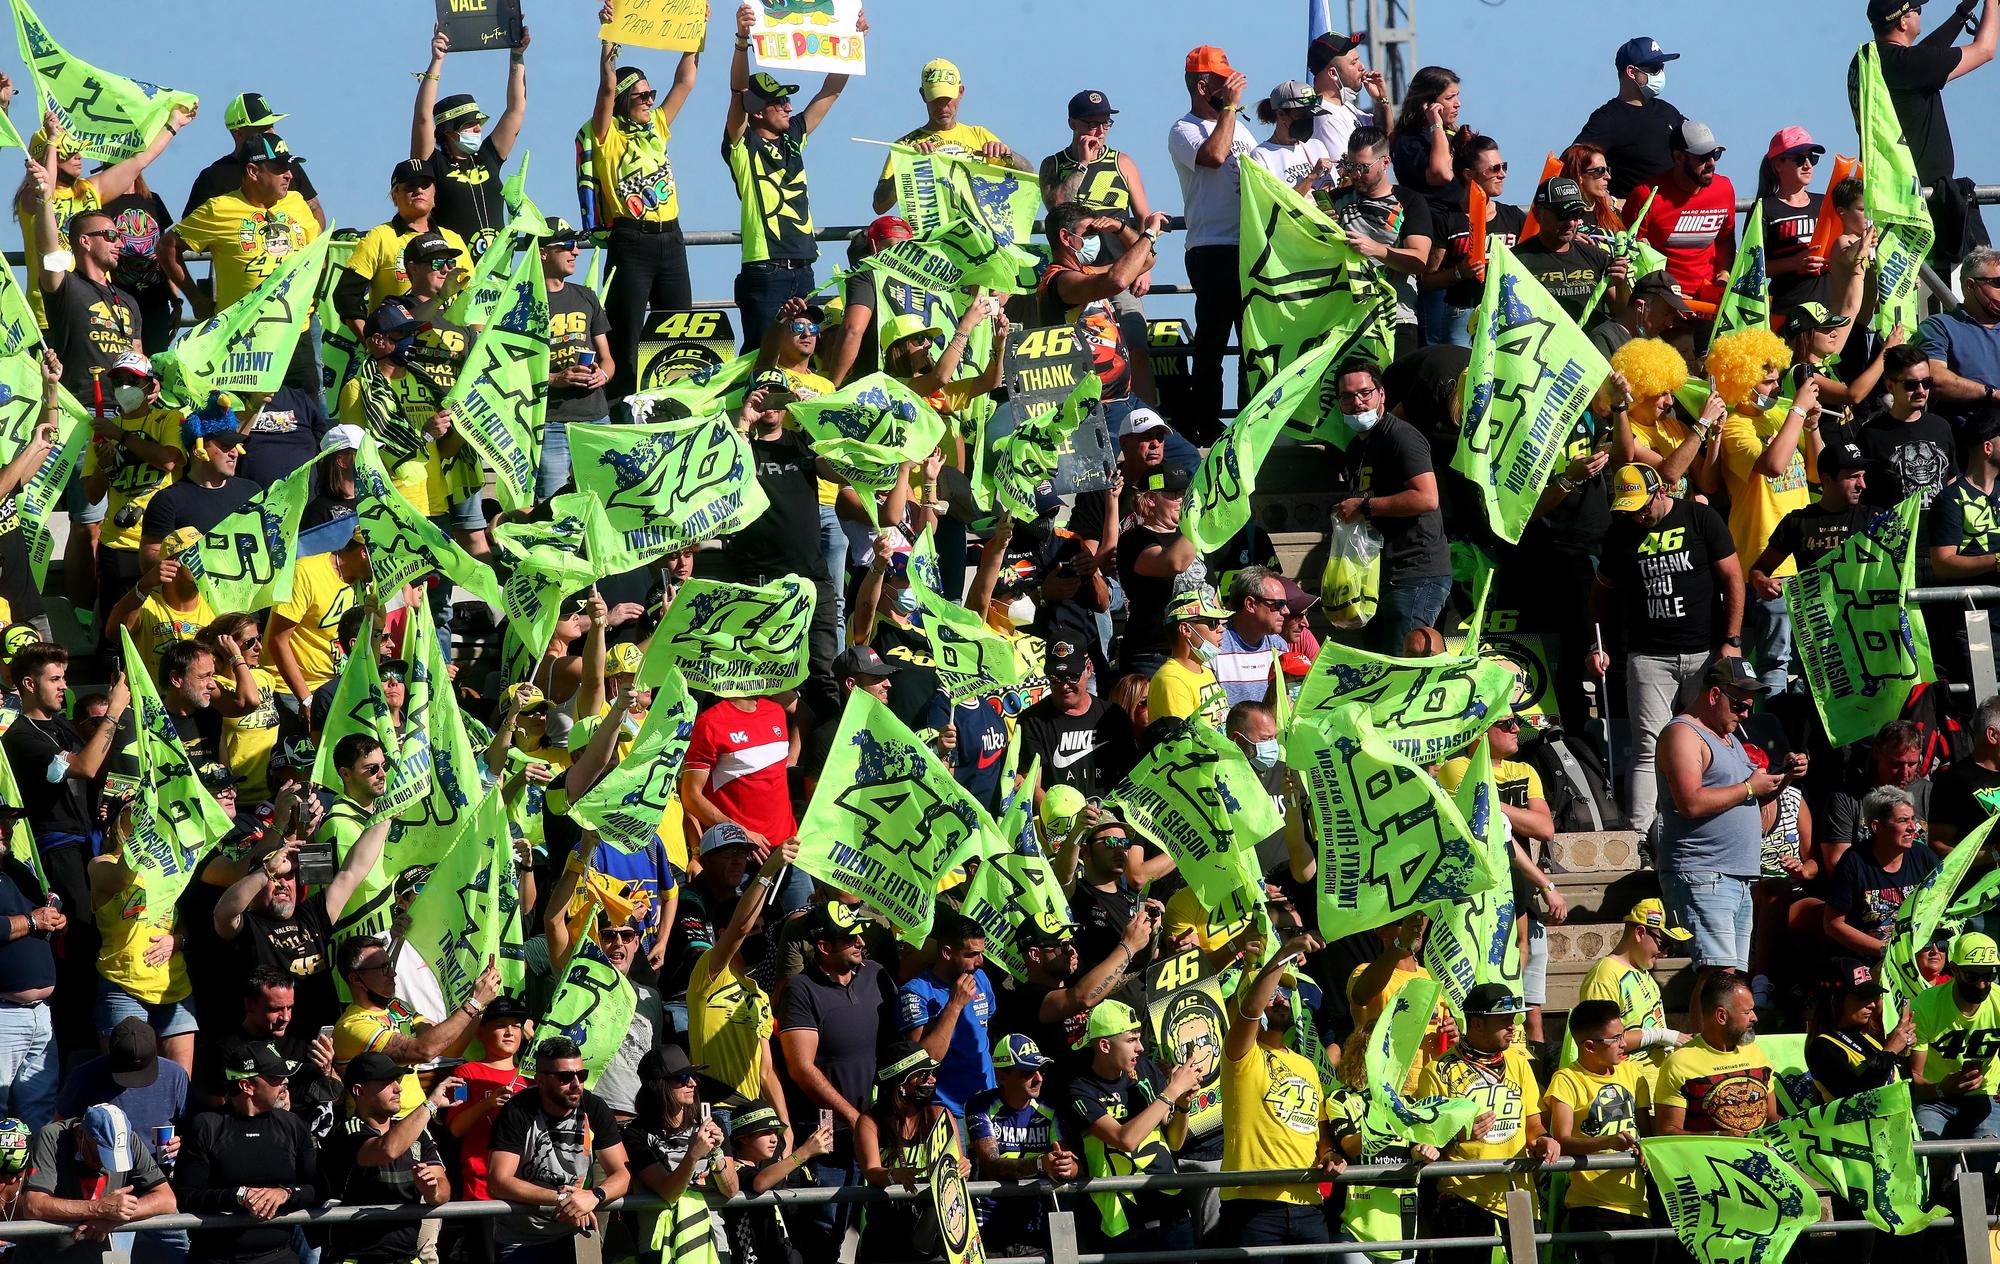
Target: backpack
column 1573, row 782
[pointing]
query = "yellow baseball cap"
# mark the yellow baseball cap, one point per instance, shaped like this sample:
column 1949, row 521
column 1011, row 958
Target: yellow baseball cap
column 1633, row 487
column 623, row 659
column 940, row 78
column 1653, row 916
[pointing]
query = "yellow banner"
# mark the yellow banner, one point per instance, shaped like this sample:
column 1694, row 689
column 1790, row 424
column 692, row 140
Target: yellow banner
column 679, row 25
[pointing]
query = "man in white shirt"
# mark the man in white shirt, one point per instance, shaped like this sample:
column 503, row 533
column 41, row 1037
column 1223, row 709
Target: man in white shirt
column 1334, row 62
column 1205, row 144
column 1250, row 640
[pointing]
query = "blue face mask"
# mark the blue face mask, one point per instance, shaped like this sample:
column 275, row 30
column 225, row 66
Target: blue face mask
column 1093, row 245
column 903, row 601
column 1264, row 754
column 1655, row 83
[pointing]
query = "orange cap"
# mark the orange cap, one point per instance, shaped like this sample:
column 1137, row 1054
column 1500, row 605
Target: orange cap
column 1208, row 60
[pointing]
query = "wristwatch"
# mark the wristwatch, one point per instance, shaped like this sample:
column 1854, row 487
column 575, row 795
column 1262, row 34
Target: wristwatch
column 1733, row 642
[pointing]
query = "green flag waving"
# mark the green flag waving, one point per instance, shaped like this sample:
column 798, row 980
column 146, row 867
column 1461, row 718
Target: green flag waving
column 502, row 391
column 1790, row 1077
column 248, row 345
column 668, row 486
column 887, row 818
column 593, row 1006
column 1030, row 454
column 627, row 804
column 716, row 388
column 357, row 707
column 1196, row 795
column 973, row 661
column 18, row 328
column 174, row 819
column 1429, row 710
column 1303, row 284
column 867, row 429
column 487, row 286
column 115, row 118
column 1391, row 840
column 1731, row 1200
column 1393, row 1117
column 1531, row 376
column 459, row 918
column 247, row 561
column 403, row 545
column 21, row 391
column 574, row 548
column 735, row 640
column 1746, row 300
column 1892, row 196
column 960, row 255
column 937, row 190
column 1863, row 1148
column 1013, row 887
column 1921, row 912
column 1861, row 651
column 1218, row 503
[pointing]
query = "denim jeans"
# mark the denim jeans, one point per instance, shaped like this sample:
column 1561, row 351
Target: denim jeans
column 833, row 547
column 1257, row 1222
column 28, row 1063
column 1652, row 685
column 1443, row 324
column 1769, row 625
column 761, row 289
column 1717, row 908
column 1407, row 604
column 553, row 472
column 1961, row 1119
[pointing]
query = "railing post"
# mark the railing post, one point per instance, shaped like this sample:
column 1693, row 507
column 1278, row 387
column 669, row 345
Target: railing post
column 1971, row 1215
column 1062, row 1237
column 1979, row 647
column 1520, row 1232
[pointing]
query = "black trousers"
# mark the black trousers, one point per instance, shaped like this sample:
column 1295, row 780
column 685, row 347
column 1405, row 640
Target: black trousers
column 649, row 273
column 1215, row 274
column 1592, row 1219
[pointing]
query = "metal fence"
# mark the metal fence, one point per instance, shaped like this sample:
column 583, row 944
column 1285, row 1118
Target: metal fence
column 1522, row 1234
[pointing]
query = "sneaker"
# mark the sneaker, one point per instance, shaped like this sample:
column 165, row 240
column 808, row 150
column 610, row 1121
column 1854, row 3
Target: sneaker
column 1760, row 991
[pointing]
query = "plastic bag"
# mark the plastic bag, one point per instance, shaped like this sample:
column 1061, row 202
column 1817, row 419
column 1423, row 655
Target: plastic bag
column 1351, row 585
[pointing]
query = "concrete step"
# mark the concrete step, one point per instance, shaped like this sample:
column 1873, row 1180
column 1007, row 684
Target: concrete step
column 1675, row 975
column 1605, row 850
column 1605, row 895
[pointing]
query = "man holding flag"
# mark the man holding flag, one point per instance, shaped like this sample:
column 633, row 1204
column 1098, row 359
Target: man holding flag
column 943, row 91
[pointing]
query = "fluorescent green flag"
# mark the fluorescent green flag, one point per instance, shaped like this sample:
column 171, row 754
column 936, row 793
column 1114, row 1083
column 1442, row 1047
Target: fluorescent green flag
column 1892, row 196
column 458, row 920
column 247, row 561
column 502, row 391
column 21, row 389
column 8, row 136
column 593, row 1006
column 1921, row 912
column 403, row 545
column 973, row 661
column 1391, row 840
column 174, row 819
column 719, row 388
column 1029, row 456
column 626, row 804
column 1786, row 1052
column 961, row 255
column 575, row 548
column 248, row 345
column 1218, row 504
column 1393, row 1118
column 666, row 487
column 1746, row 300
column 1428, row 709
column 1731, row 1200
column 1012, row 886
column 1863, row 1148
column 1861, row 651
column 492, row 264
column 887, row 818
column 114, row 117
column 436, row 751
column 1531, row 376
column 18, row 329
column 867, row 429
column 935, row 191
column 734, row 640
column 1195, row 795
column 357, row 707
column 1303, row 284
column 339, row 347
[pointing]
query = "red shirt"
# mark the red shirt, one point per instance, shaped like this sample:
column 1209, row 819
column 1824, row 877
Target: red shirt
column 1694, row 228
column 481, row 1082
column 745, row 753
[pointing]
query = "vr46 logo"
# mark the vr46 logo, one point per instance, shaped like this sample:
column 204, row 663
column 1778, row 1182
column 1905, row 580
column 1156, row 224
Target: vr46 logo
column 1669, row 541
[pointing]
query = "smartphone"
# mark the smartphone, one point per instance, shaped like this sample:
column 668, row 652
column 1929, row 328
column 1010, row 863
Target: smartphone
column 705, row 1112
column 826, row 1120
column 458, row 1093
column 326, row 1032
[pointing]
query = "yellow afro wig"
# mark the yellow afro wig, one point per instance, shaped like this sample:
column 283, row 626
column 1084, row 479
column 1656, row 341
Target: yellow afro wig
column 1652, row 368
column 1740, row 359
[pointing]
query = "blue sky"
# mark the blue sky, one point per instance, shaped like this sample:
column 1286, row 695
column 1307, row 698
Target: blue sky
column 1533, row 69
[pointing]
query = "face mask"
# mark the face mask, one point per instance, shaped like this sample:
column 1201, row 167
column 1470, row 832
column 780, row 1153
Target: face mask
column 1761, row 401
column 1021, row 611
column 1277, row 1018
column 903, row 600
column 1300, row 130
column 58, row 769
column 1207, row 650
column 130, row 398
column 1093, row 245
column 466, row 143
column 920, row 1092
column 1363, row 421
column 1655, row 83
column 1264, row 754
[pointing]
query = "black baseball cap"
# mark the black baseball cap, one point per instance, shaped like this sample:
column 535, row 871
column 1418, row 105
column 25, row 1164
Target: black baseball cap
column 1840, row 458
column 270, row 149
column 832, row 920
column 371, row 1067
column 216, row 776
column 261, row 1059
column 133, row 1053
column 1851, row 974
column 1881, row 11
column 1729, row 671
column 764, row 89
column 1560, row 193
column 1089, row 104
column 411, row 171
column 861, row 660
column 1489, row 999
column 1813, row 316
column 1328, row 48
column 505, row 1007
column 1661, row 286
column 1066, row 660
column 429, row 244
column 457, row 110
column 1165, row 478
column 1044, row 930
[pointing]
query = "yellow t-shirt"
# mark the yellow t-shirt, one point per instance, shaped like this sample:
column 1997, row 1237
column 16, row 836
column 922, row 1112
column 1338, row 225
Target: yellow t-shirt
column 1637, row 998
column 1757, row 504
column 962, row 139
column 1604, row 1105
column 1508, row 1090
column 249, row 739
column 134, row 481
column 1272, row 1108
column 729, row 1019
column 246, row 242
column 360, row 1029
column 1717, row 1090
column 405, row 402
column 160, row 625
column 1949, row 1038
column 1185, row 694
column 635, row 178
column 379, row 257
column 70, row 200
column 1518, row 782
column 1664, row 437
column 319, row 598
column 127, row 927
column 807, row 385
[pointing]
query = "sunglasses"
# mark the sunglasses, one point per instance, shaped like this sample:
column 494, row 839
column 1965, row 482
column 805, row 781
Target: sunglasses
column 1595, row 173
column 226, row 443
column 1985, row 280
column 369, row 770
column 1279, row 603
column 1497, row 169
column 1915, row 383
column 1800, row 160
column 622, row 932
column 1738, row 703
column 804, row 329
column 566, row 1077
column 1508, row 725
column 102, row 234
column 647, row 96
column 392, row 677
column 438, row 265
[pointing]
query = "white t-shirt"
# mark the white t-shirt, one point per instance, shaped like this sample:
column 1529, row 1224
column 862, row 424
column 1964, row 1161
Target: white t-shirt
column 1343, row 115
column 1291, row 161
column 1209, row 197
column 1244, row 670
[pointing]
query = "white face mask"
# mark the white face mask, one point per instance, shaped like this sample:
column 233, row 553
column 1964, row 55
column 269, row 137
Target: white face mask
column 467, row 142
column 1264, row 754
column 1761, row 402
column 130, row 398
column 903, row 601
column 1207, row 650
column 1363, row 421
column 1093, row 245
column 1654, row 84
column 1021, row 611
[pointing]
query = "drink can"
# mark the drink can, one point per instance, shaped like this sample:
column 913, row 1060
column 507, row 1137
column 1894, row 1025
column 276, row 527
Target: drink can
column 458, row 1093
column 161, row 1136
column 586, row 359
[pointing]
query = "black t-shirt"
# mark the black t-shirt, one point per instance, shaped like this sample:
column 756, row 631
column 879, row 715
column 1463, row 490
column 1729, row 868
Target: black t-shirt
column 784, row 540
column 1870, row 894
column 852, row 1022
column 1810, row 533
column 90, row 326
column 1637, row 140
column 58, row 807
column 1454, row 229
column 221, row 1152
column 1146, row 596
column 1570, row 277
column 1915, row 77
column 225, row 175
column 1662, row 579
column 1091, row 752
column 1410, row 159
column 1091, row 1098
column 1017, row 1008
column 297, row 946
column 1577, row 524
column 1910, row 456
column 189, row 504
column 1101, row 918
column 1788, row 232
column 553, row 1154
column 1952, row 796
column 345, row 1179
column 1383, row 462
column 284, row 436
column 1033, row 557
column 576, row 321
column 468, row 194
column 913, row 691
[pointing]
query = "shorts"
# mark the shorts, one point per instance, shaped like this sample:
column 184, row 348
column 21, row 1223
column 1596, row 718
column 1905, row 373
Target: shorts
column 1717, row 908
column 468, row 514
column 84, row 512
column 115, row 1004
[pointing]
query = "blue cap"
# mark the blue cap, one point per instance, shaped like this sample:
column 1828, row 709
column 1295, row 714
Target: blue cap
column 1090, row 103
column 112, row 1134
column 1644, row 51
column 1016, row 1052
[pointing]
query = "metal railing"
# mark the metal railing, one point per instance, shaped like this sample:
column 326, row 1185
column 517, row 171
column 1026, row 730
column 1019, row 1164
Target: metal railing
column 1522, row 1234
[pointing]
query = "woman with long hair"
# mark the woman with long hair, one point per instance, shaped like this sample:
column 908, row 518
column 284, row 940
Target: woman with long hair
column 1791, row 215
column 1462, row 283
column 895, row 1142
column 1422, row 156
column 1591, row 170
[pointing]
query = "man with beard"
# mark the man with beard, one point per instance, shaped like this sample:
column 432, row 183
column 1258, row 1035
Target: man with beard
column 379, row 1022
column 1952, row 1072
column 946, row 1009
column 542, row 1152
column 1053, row 1002
column 1719, row 1082
column 1914, row 448
column 270, row 1017
column 1693, row 220
column 1568, row 265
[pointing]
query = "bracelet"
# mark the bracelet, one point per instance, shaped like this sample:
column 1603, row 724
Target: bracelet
column 1563, row 481
column 171, row 129
column 742, row 46
column 425, row 74
column 473, row 1006
column 1749, row 794
column 1621, row 407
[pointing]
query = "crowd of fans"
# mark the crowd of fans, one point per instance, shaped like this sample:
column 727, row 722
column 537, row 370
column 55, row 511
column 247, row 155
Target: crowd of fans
column 266, row 1046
